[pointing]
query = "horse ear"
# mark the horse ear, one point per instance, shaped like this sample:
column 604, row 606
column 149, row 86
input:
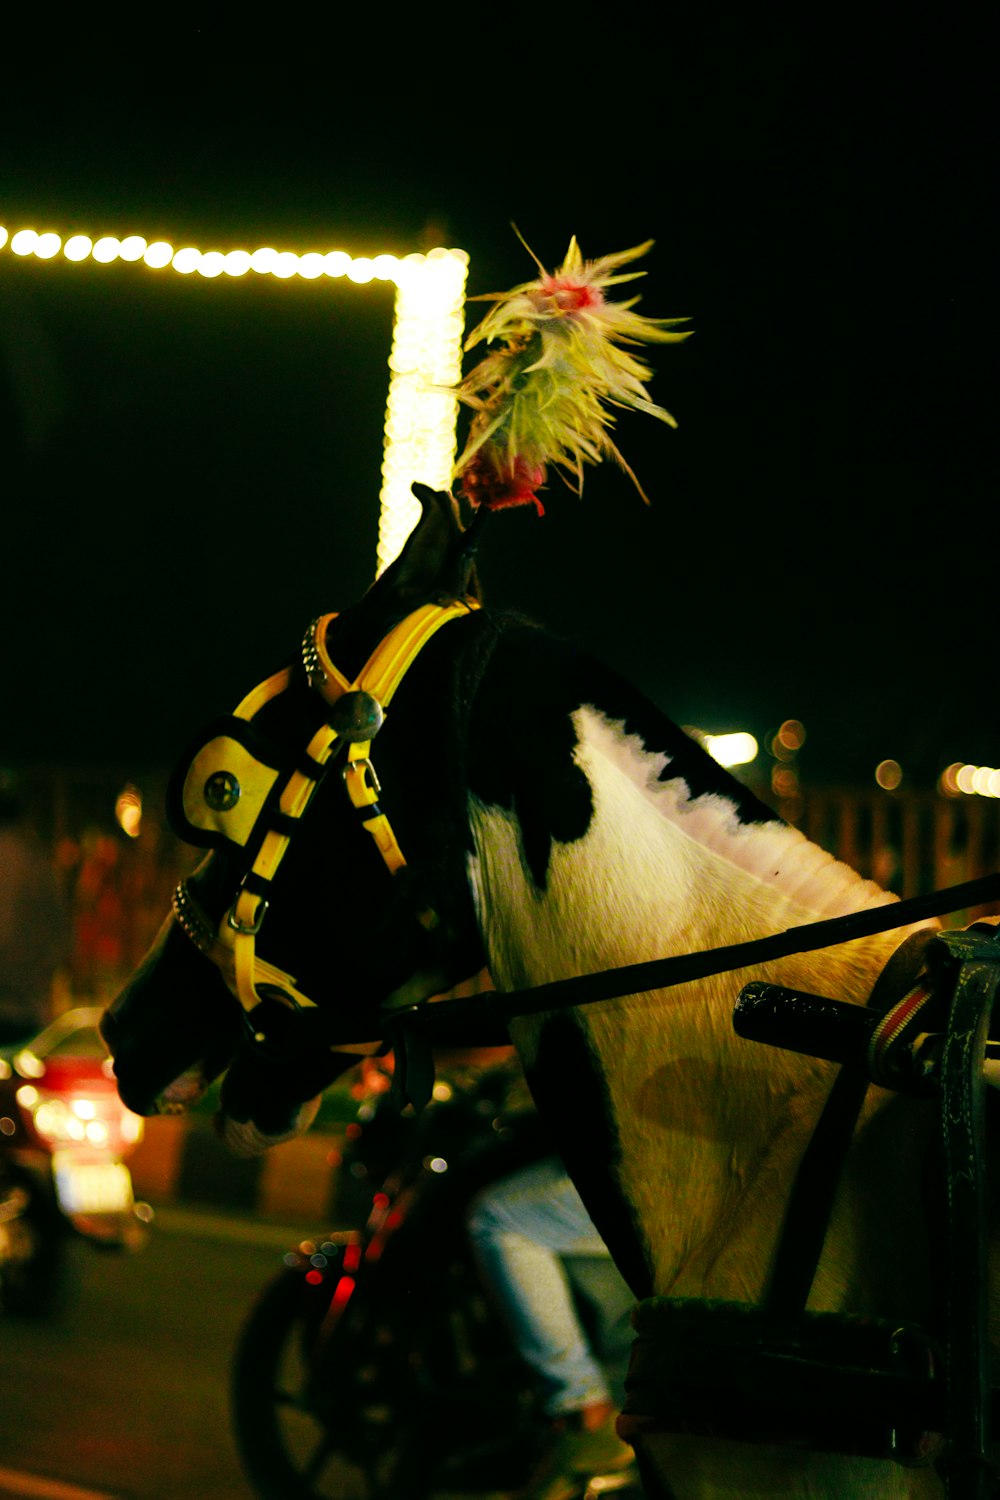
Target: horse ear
column 437, row 561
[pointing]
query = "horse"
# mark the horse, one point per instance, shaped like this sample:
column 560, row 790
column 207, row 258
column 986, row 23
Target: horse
column 534, row 815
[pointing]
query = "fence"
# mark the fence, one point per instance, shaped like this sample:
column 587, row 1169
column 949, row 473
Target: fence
column 909, row 843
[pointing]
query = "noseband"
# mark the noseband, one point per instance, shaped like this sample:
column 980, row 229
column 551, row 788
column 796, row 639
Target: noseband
column 235, row 791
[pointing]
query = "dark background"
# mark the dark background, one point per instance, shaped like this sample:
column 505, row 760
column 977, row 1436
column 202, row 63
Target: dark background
column 191, row 467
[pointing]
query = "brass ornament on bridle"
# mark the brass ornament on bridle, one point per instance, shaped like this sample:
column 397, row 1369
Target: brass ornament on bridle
column 356, row 717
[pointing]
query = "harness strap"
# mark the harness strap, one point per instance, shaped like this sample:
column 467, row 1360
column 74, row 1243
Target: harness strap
column 244, row 918
column 810, row 1202
column 835, row 1381
column 389, row 662
column 482, row 1020
column 364, row 790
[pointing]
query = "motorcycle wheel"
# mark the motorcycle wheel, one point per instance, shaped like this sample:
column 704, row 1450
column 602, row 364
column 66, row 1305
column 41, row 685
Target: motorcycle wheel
column 405, row 1395
column 32, row 1246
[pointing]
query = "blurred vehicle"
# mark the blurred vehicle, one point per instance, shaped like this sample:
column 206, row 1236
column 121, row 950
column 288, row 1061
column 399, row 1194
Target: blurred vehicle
column 65, row 1138
column 373, row 1365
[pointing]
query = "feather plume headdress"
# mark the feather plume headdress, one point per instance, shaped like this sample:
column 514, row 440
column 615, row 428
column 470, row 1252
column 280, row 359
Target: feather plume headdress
column 541, row 397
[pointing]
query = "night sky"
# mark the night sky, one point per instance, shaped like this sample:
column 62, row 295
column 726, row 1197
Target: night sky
column 191, row 468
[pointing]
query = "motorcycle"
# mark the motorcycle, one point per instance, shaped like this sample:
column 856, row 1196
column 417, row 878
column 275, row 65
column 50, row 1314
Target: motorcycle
column 64, row 1142
column 373, row 1364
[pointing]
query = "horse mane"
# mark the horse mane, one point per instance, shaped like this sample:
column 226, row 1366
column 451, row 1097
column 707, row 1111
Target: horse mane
column 557, row 693
column 770, row 850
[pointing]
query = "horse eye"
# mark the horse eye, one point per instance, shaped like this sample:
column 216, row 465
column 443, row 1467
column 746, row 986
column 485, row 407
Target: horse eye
column 222, row 791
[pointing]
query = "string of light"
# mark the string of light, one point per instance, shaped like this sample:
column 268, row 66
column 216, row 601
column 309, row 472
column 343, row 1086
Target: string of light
column 159, row 255
column 426, row 354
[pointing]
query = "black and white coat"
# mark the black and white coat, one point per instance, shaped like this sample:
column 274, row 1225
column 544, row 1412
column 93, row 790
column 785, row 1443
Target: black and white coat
column 560, row 824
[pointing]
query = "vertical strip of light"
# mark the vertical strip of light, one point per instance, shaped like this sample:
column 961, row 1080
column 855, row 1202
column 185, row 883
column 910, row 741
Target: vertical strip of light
column 421, row 417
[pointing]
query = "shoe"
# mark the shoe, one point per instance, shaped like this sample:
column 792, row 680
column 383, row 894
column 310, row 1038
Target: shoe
column 577, row 1462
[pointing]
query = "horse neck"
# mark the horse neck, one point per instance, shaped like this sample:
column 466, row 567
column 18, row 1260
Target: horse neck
column 658, row 869
column 672, row 856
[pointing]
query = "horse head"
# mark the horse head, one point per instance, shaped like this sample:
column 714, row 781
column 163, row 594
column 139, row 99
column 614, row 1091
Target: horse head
column 297, row 933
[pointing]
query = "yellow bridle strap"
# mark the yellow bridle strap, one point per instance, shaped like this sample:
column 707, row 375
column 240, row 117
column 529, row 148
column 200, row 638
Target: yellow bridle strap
column 242, row 922
column 263, row 693
column 380, row 677
column 392, row 658
column 198, row 928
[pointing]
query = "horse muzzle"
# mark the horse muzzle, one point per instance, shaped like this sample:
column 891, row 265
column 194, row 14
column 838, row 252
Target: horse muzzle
column 172, row 1029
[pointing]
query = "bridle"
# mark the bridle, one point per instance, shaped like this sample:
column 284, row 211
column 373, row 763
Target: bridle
column 236, row 790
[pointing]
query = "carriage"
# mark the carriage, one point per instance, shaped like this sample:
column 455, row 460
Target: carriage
column 431, row 786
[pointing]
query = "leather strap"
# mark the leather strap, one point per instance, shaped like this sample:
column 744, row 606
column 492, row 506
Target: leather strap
column 466, row 1020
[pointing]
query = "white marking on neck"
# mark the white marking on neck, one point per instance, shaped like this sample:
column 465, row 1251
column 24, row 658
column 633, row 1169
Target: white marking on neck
column 658, row 871
column 792, row 867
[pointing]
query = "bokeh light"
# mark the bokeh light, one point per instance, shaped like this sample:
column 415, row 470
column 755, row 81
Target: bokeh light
column 128, row 810
column 186, row 260
column 78, row 247
column 736, row 749
column 310, row 265
column 211, row 263
column 959, row 780
column 792, row 734
column 236, row 262
column 785, row 781
column 106, row 249
column 158, row 254
column 889, row 775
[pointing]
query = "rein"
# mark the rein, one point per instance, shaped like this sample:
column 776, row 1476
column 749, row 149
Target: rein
column 437, row 1024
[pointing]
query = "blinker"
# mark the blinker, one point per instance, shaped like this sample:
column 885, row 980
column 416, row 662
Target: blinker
column 222, row 791
column 236, row 788
column 356, row 717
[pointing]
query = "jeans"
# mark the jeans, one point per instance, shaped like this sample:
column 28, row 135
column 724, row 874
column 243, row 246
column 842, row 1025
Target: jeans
column 519, row 1228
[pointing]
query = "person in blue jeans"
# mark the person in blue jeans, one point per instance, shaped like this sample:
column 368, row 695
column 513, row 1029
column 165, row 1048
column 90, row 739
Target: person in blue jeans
column 520, row 1229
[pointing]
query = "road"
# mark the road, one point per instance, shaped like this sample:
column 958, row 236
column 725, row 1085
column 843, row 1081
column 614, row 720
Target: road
column 124, row 1392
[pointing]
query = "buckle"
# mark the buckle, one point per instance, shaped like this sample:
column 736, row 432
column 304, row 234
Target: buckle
column 362, row 784
column 246, row 929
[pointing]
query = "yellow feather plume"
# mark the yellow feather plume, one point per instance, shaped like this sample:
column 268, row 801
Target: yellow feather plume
column 544, row 396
